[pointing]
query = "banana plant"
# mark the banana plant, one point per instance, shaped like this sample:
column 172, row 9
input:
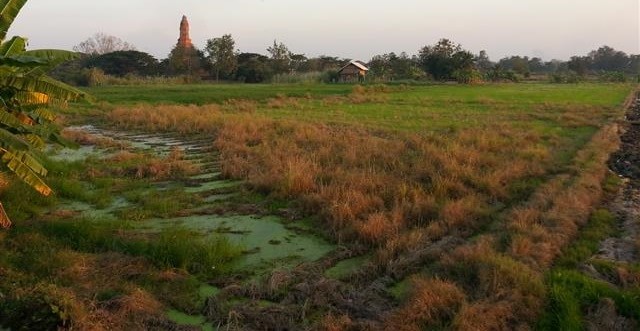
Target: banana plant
column 26, row 92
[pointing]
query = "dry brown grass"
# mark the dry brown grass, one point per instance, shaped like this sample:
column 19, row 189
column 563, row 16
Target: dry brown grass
column 86, row 277
column 283, row 101
column 432, row 303
column 401, row 193
column 199, row 119
column 84, row 138
column 374, row 188
column 551, row 219
column 335, row 323
column 508, row 292
column 486, row 315
column 372, row 94
column 240, row 106
column 145, row 166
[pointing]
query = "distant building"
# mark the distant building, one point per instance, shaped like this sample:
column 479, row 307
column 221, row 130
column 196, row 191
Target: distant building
column 184, row 58
column 355, row 71
column 185, row 40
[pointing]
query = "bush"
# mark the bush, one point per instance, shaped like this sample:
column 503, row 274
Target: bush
column 94, row 77
column 568, row 77
column 499, row 75
column 468, row 76
column 612, row 77
column 34, row 310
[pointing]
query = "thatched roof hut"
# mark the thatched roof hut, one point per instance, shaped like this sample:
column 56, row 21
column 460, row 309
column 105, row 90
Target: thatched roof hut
column 355, row 71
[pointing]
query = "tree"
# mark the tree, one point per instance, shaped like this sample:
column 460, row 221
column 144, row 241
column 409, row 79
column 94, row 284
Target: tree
column 121, row 63
column 101, row 43
column 185, row 61
column 444, row 58
column 253, row 68
column 299, row 62
column 634, row 64
column 221, row 54
column 580, row 64
column 25, row 91
column 380, row 67
column 606, row 58
column 536, row 65
column 324, row 63
column 518, row 64
column 280, row 57
column 483, row 63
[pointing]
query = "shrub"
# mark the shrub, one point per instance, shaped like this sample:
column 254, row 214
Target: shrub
column 612, row 77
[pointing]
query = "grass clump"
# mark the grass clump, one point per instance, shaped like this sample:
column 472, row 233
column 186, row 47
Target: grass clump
column 171, row 248
column 601, row 225
column 140, row 165
column 571, row 293
column 432, row 303
column 177, row 248
column 158, row 204
column 167, row 118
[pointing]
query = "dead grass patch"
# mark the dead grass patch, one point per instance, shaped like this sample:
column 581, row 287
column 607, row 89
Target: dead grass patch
column 432, row 303
column 551, row 219
column 283, row 101
column 508, row 291
column 145, row 166
column 182, row 119
column 240, row 106
column 84, row 138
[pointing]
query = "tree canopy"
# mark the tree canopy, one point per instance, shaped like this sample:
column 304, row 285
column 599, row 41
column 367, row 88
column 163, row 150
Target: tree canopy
column 121, row 63
column 221, row 54
column 101, row 43
column 444, row 58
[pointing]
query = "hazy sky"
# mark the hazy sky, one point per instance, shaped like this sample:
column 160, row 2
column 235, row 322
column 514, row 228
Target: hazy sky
column 344, row 28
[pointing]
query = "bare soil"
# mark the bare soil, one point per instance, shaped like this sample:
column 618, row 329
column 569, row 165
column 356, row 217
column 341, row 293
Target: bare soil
column 626, row 161
column 626, row 205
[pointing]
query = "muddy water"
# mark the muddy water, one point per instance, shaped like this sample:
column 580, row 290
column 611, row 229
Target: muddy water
column 268, row 241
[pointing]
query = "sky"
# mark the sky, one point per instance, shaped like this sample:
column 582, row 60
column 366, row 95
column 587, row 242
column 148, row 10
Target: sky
column 355, row 29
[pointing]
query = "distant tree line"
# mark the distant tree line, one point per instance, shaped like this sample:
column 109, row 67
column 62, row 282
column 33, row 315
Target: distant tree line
column 108, row 56
column 447, row 60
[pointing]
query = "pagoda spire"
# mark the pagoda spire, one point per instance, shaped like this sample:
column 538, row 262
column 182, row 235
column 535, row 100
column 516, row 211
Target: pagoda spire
column 185, row 40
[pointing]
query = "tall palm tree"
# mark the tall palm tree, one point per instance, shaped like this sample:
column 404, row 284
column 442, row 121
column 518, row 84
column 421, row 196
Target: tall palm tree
column 25, row 93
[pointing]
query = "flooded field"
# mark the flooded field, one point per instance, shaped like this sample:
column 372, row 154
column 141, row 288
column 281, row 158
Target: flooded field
column 267, row 241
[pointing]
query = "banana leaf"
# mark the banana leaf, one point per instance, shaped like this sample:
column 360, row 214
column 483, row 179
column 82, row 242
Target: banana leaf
column 42, row 84
column 9, row 9
column 14, row 46
column 25, row 171
column 53, row 57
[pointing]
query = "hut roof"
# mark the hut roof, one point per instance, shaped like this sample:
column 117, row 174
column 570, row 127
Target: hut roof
column 358, row 64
